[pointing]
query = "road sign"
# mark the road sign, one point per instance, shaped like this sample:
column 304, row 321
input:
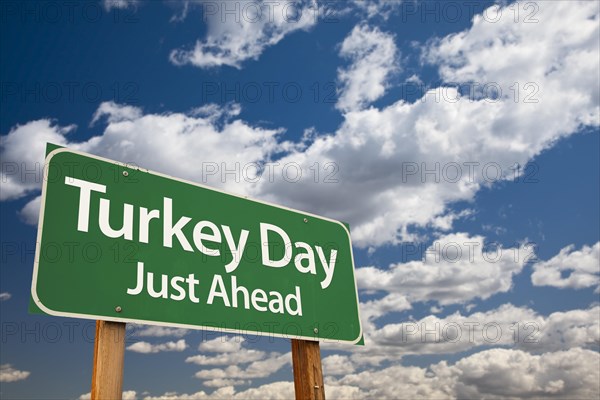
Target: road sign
column 124, row 244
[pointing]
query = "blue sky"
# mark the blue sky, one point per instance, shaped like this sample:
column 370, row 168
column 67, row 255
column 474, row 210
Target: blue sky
column 377, row 93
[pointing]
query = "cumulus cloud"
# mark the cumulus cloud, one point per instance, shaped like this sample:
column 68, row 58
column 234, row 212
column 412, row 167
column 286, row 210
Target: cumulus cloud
column 256, row 369
column 387, row 383
column 454, row 333
column 371, row 310
column 570, row 268
column 373, row 59
column 5, row 296
column 507, row 325
column 564, row 330
column 244, row 356
column 491, row 374
column 498, row 51
column 468, row 142
column 242, row 363
column 31, row 212
column 207, row 134
column 376, row 8
column 116, row 113
column 270, row 391
column 245, row 32
column 222, row 344
column 494, row 374
column 456, row 268
column 147, row 348
column 223, row 382
column 501, row 373
column 126, row 395
column 158, row 331
column 22, row 153
column 9, row 374
column 119, row 4
column 445, row 146
column 337, row 365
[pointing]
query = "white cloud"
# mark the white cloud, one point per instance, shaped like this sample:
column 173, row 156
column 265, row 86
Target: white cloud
column 443, row 131
column 443, row 135
column 376, row 8
column 246, row 32
column 337, row 365
column 506, row 52
column 231, row 353
column 435, row 309
column 257, row 369
column 222, row 344
column 31, row 212
column 126, row 395
column 159, row 331
column 269, row 391
column 456, row 268
column 22, row 154
column 374, row 309
column 119, row 4
column 259, row 363
column 146, row 348
column 9, row 374
column 500, row 373
column 492, row 374
column 242, row 356
column 505, row 326
column 5, row 296
column 181, row 10
column 582, row 268
column 214, row 111
column 223, row 382
column 508, row 325
column 388, row 383
column 564, row 330
column 116, row 113
column 208, row 135
column 373, row 59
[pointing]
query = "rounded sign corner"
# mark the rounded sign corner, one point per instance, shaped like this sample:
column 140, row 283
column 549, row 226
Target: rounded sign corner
column 55, row 152
column 40, row 305
column 360, row 333
column 345, row 229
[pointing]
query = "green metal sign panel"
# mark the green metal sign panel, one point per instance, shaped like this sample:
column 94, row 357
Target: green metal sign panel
column 126, row 244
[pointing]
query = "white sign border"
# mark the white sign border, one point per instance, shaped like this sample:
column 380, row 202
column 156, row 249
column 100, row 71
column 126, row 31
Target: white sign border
column 167, row 324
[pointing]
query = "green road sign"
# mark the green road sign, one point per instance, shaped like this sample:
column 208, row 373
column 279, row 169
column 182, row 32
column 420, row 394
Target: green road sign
column 125, row 244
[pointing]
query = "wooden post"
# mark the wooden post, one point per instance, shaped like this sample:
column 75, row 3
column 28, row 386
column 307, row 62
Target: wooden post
column 308, row 374
column 109, row 352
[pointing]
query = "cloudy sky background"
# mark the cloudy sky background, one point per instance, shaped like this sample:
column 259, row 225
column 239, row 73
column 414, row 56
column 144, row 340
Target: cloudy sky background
column 458, row 139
